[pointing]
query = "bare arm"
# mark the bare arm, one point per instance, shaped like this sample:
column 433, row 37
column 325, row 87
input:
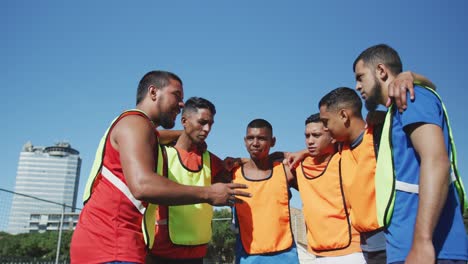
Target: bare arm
column 224, row 168
column 167, row 136
column 405, row 81
column 291, row 177
column 293, row 159
column 433, row 187
column 133, row 137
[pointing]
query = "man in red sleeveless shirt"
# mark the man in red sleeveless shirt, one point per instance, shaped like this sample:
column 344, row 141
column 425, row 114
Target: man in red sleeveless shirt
column 109, row 228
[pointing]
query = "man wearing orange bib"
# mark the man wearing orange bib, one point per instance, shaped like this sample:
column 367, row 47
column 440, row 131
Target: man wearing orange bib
column 340, row 111
column 265, row 234
column 330, row 235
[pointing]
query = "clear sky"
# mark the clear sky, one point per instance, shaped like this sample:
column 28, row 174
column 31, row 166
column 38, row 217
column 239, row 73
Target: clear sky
column 67, row 68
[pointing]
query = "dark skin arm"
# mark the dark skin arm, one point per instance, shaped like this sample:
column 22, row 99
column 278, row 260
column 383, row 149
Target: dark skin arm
column 433, row 188
column 134, row 138
column 293, row 159
column 291, row 176
column 167, row 136
column 226, row 167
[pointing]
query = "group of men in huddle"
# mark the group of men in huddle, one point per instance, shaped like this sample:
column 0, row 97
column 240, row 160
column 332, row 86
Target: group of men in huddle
column 384, row 189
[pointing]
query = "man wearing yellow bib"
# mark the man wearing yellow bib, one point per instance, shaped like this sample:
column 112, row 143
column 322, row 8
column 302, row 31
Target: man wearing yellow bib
column 183, row 232
column 417, row 160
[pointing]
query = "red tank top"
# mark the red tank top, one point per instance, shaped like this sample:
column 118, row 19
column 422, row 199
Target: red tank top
column 109, row 227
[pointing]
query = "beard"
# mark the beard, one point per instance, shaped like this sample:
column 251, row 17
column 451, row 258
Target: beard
column 166, row 121
column 373, row 100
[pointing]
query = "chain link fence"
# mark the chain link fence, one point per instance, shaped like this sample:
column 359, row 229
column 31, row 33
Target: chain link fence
column 34, row 230
column 30, row 236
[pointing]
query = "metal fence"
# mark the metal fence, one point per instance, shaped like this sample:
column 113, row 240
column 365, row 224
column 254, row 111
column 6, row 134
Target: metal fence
column 21, row 215
column 53, row 218
column 26, row 260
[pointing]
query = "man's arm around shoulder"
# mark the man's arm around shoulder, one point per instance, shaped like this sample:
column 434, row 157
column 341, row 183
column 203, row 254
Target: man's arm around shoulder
column 135, row 140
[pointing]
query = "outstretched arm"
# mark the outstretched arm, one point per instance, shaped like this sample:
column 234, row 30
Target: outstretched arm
column 433, row 187
column 405, row 81
column 134, row 138
column 167, row 136
column 224, row 168
column 292, row 159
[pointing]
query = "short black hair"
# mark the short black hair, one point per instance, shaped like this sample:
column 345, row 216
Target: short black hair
column 260, row 123
column 342, row 97
column 194, row 103
column 314, row 118
column 381, row 53
column 159, row 79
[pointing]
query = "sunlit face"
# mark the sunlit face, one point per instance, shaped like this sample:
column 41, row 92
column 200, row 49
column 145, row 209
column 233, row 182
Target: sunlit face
column 258, row 142
column 368, row 85
column 318, row 140
column 170, row 101
column 197, row 125
column 333, row 123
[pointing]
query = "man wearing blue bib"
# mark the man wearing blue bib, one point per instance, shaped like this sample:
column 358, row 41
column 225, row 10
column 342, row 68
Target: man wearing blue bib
column 424, row 222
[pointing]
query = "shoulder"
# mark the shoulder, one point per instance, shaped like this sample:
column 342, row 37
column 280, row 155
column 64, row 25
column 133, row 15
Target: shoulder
column 133, row 126
column 426, row 108
column 424, row 96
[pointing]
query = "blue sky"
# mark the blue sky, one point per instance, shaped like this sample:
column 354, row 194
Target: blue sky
column 67, row 68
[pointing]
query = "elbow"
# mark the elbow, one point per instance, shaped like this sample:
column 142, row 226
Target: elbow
column 442, row 164
column 140, row 190
column 445, row 165
column 139, row 193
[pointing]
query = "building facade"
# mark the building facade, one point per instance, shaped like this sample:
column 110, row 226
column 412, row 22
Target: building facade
column 40, row 222
column 48, row 173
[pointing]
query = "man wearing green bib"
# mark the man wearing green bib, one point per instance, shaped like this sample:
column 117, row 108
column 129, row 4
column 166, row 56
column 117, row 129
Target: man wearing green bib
column 416, row 166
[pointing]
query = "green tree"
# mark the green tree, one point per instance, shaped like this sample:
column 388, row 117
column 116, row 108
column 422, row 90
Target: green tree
column 35, row 245
column 222, row 246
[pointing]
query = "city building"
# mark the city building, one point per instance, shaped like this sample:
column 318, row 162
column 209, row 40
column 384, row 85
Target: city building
column 48, row 173
column 40, row 222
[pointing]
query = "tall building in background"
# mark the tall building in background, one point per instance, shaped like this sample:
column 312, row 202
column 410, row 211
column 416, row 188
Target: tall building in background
column 50, row 173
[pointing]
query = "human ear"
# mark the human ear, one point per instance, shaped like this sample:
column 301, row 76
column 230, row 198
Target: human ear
column 343, row 114
column 183, row 120
column 381, row 72
column 153, row 92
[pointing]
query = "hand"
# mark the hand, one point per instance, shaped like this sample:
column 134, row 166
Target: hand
column 421, row 252
column 397, row 90
column 232, row 163
column 225, row 193
column 376, row 117
column 292, row 159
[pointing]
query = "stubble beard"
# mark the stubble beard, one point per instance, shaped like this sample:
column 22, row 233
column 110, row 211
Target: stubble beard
column 374, row 99
column 166, row 121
